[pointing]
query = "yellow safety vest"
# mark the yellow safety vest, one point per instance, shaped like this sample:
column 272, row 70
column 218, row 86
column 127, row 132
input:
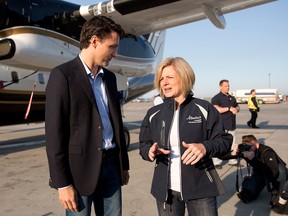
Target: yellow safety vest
column 251, row 104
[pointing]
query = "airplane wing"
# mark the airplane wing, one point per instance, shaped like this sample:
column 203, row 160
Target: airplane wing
column 140, row 17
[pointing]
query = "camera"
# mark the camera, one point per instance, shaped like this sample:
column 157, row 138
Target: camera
column 243, row 147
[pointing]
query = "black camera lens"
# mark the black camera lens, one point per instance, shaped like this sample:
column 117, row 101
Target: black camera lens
column 243, row 147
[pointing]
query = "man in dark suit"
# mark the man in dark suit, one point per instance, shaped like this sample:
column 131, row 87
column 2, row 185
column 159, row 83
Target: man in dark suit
column 87, row 155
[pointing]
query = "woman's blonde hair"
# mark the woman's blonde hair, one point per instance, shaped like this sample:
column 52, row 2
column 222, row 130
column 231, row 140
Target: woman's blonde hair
column 182, row 68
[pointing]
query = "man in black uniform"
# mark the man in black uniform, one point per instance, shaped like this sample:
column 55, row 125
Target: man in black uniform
column 227, row 105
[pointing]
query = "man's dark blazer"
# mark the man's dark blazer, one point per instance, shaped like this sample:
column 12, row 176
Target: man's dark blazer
column 74, row 129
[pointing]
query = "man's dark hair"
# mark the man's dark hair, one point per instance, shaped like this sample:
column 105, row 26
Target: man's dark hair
column 222, row 81
column 101, row 27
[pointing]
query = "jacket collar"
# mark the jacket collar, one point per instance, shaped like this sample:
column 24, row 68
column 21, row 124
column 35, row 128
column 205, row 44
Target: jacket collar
column 170, row 102
column 80, row 73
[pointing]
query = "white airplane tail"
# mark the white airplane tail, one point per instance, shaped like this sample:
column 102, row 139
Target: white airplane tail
column 157, row 41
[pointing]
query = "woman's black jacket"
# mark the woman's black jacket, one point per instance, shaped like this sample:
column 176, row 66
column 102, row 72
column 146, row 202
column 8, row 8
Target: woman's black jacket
column 199, row 122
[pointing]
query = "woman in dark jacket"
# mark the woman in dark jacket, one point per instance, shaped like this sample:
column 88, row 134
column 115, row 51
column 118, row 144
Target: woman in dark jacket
column 182, row 134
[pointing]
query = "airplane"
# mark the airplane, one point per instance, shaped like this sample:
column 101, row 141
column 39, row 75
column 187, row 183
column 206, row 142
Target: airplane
column 37, row 35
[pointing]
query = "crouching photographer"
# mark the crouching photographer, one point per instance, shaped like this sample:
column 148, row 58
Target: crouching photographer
column 268, row 169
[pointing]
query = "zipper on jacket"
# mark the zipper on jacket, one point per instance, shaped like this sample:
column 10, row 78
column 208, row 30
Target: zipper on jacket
column 162, row 139
column 163, row 145
column 162, row 136
column 180, row 169
column 169, row 158
column 208, row 175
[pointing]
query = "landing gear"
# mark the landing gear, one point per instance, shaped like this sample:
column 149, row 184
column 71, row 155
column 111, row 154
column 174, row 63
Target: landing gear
column 127, row 137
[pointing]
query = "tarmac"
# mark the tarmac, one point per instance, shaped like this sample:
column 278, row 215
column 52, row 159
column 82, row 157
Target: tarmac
column 24, row 170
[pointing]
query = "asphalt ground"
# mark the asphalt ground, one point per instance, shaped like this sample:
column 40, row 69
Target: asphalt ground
column 24, row 171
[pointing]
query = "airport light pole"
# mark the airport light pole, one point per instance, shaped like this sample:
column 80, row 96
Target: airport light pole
column 269, row 79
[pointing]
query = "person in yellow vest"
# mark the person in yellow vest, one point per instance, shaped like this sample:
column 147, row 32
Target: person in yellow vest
column 253, row 108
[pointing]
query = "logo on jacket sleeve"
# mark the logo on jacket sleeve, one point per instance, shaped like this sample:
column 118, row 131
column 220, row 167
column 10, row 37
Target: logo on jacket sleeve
column 194, row 119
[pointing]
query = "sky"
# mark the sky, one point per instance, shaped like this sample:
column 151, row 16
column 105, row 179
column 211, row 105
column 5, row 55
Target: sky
column 251, row 52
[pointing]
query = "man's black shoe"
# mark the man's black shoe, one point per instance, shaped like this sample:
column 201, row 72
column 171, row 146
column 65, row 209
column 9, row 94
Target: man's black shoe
column 278, row 208
column 249, row 124
column 242, row 197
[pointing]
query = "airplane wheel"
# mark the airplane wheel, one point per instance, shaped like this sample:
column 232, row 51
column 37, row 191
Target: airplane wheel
column 127, row 137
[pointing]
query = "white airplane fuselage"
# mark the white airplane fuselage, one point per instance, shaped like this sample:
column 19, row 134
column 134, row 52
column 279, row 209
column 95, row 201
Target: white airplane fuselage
column 36, row 36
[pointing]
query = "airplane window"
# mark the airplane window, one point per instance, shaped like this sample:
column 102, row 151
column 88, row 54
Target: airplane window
column 41, row 78
column 7, row 48
column 136, row 47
